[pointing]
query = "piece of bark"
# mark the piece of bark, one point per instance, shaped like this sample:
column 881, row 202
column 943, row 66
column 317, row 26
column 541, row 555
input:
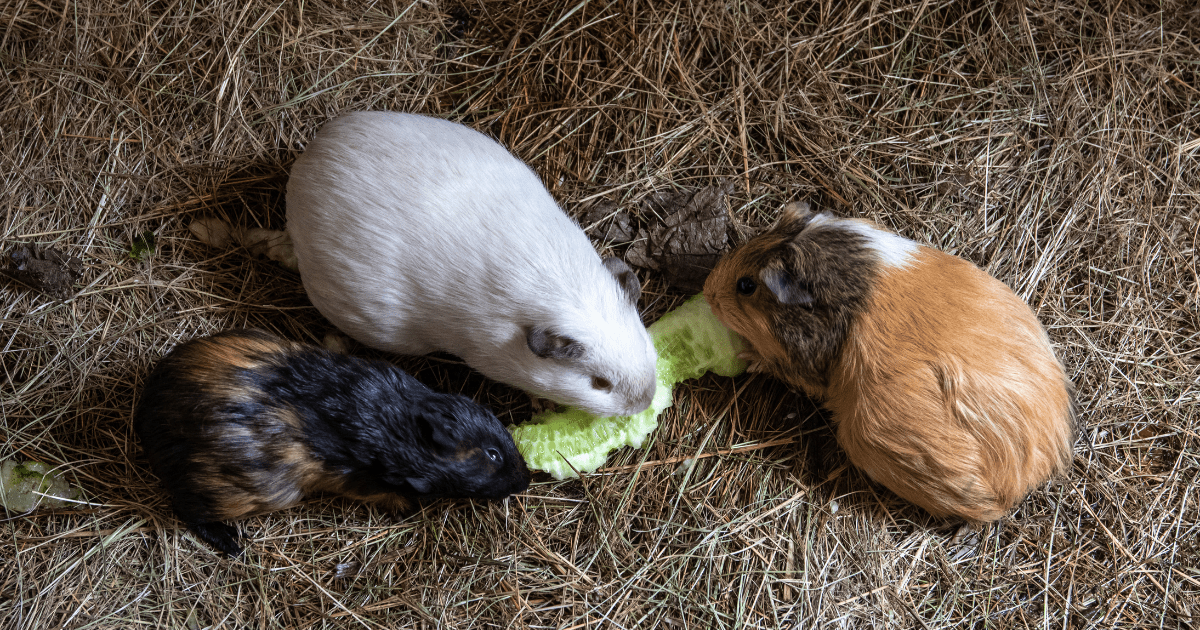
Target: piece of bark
column 47, row 270
column 608, row 224
column 691, row 238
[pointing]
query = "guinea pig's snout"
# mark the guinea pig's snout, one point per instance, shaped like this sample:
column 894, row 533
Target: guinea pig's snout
column 511, row 481
column 524, row 476
column 710, row 289
column 641, row 400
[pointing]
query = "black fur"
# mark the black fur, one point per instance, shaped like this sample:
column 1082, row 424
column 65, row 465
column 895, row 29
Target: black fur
column 242, row 423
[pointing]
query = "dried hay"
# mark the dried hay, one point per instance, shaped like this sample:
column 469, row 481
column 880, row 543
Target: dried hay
column 1053, row 143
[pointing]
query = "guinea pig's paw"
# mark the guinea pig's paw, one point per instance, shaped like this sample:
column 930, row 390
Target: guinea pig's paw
column 754, row 361
column 213, row 232
column 222, row 536
column 541, row 404
column 336, row 342
column 276, row 245
column 393, row 504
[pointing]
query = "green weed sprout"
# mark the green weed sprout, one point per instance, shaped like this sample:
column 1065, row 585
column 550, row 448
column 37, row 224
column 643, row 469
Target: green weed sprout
column 24, row 486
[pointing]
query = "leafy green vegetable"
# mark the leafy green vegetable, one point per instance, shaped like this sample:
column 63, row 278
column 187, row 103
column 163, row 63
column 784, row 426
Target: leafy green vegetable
column 689, row 341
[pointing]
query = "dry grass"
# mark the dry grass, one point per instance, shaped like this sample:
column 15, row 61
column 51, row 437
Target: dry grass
column 1053, row 142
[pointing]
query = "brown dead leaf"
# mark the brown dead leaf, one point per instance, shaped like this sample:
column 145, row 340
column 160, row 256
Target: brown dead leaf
column 692, row 236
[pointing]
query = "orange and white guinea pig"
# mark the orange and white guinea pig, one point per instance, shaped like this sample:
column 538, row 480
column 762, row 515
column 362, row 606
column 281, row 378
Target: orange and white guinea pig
column 942, row 384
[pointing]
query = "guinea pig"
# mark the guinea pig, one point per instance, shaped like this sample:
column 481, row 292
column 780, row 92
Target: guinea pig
column 243, row 423
column 415, row 234
column 942, row 384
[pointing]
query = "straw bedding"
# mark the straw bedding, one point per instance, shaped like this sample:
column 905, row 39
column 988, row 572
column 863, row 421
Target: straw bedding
column 1053, row 143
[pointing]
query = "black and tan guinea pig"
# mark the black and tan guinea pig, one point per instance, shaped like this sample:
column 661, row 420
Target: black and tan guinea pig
column 942, row 384
column 243, row 423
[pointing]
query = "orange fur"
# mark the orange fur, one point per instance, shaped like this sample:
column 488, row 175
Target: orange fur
column 942, row 383
column 948, row 391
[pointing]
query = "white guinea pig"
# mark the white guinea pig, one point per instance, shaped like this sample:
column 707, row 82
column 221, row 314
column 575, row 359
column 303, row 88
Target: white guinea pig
column 415, row 234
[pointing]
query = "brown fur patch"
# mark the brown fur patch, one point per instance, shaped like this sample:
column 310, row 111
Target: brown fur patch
column 255, row 468
column 214, row 362
column 812, row 256
column 463, row 454
column 277, row 488
column 319, row 481
column 305, row 470
column 386, row 501
column 291, row 419
column 230, row 498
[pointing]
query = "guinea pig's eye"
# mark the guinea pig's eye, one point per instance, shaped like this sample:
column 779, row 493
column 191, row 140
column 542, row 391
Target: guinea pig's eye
column 601, row 383
column 746, row 285
column 493, row 455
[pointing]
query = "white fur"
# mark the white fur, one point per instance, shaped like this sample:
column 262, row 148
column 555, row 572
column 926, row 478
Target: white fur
column 893, row 250
column 416, row 234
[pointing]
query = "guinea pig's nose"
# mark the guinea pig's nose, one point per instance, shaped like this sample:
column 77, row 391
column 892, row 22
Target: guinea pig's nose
column 523, row 480
column 642, row 400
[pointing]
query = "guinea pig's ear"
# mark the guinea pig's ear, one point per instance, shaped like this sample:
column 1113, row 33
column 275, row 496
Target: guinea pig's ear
column 443, row 435
column 626, row 278
column 548, row 344
column 786, row 288
column 437, row 431
column 792, row 218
